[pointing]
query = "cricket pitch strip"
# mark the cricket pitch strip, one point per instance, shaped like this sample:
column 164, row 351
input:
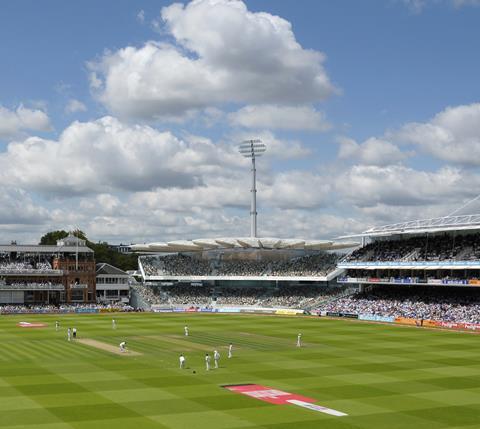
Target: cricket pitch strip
column 107, row 347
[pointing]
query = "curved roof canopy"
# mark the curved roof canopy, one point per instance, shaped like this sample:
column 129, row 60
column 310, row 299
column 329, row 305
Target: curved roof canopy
column 423, row 226
column 240, row 243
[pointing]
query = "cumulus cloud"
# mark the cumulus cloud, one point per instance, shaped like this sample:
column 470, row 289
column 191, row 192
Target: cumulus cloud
column 452, row 135
column 209, row 64
column 280, row 117
column 12, row 122
column 18, row 208
column 397, row 185
column 104, row 155
column 74, row 106
column 373, row 151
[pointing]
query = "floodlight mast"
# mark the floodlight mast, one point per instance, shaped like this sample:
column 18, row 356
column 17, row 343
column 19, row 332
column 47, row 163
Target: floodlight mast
column 252, row 149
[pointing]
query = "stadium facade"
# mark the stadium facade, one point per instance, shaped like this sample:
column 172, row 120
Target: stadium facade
column 439, row 251
column 48, row 274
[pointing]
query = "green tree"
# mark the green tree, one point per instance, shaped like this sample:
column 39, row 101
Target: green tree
column 103, row 252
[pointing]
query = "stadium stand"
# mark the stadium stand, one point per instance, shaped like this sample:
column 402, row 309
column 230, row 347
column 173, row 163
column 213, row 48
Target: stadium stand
column 307, row 296
column 460, row 305
column 444, row 247
column 318, row 264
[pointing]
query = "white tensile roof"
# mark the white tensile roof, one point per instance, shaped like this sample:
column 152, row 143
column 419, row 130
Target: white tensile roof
column 241, row 242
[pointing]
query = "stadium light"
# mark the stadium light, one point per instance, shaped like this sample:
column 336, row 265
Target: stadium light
column 253, row 149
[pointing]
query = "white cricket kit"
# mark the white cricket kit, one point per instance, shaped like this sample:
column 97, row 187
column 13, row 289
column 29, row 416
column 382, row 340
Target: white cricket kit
column 182, row 362
column 186, row 331
column 114, row 324
column 230, row 348
column 216, row 358
column 299, row 340
column 207, row 362
column 122, row 346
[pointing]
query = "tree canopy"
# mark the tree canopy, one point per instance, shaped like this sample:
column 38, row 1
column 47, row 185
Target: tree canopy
column 103, row 251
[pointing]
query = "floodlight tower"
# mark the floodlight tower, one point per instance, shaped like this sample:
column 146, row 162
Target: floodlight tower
column 252, row 149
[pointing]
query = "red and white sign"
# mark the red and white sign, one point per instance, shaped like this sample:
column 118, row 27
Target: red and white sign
column 279, row 397
column 31, row 325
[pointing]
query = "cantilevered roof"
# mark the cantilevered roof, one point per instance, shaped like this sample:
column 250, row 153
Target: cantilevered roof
column 241, row 243
column 423, row 226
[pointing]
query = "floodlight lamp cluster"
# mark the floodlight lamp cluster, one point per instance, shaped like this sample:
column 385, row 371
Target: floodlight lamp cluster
column 252, row 148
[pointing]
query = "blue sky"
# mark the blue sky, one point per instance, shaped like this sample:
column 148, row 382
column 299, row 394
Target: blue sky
column 121, row 117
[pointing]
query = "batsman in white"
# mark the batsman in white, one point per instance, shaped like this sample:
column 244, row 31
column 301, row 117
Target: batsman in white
column 216, row 358
column 182, row 361
column 207, row 361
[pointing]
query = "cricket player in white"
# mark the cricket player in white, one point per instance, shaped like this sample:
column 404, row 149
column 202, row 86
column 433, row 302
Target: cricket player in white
column 182, row 362
column 69, row 334
column 216, row 358
column 74, row 331
column 123, row 346
column 230, row 348
column 57, row 325
column 207, row 361
column 114, row 324
column 186, row 330
column 299, row 340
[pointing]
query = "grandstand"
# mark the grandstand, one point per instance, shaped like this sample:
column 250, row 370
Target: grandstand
column 442, row 251
column 247, row 272
column 47, row 274
column 402, row 270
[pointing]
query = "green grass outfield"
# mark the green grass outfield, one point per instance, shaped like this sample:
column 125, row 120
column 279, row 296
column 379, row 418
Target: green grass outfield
column 382, row 376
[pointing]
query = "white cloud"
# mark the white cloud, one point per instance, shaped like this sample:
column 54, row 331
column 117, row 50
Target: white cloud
column 373, row 151
column 17, row 208
column 397, row 185
column 415, row 6
column 461, row 3
column 280, row 117
column 141, row 16
column 74, row 106
column 210, row 64
column 452, row 135
column 12, row 122
column 104, row 155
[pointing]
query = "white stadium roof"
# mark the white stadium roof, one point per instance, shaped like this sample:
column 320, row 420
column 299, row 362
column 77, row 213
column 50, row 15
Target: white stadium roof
column 201, row 244
column 423, row 226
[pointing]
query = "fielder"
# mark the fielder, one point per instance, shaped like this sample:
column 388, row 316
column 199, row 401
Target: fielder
column 123, row 346
column 182, row 362
column 186, row 330
column 57, row 325
column 299, row 340
column 69, row 334
column 207, row 361
column 114, row 324
column 230, row 348
column 216, row 358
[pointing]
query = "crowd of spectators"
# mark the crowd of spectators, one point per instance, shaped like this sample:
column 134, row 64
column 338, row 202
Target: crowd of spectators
column 241, row 268
column 239, row 296
column 443, row 247
column 318, row 264
column 63, row 308
column 429, row 303
column 311, row 265
column 7, row 265
column 175, row 265
column 282, row 297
